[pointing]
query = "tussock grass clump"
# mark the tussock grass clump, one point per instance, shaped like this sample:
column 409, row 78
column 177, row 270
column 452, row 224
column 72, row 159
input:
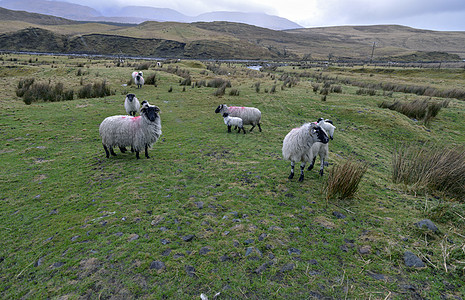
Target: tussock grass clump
column 218, row 82
column 221, row 90
column 425, row 109
column 32, row 91
column 234, row 92
column 144, row 66
column 151, row 79
column 431, row 167
column 95, row 90
column 344, row 179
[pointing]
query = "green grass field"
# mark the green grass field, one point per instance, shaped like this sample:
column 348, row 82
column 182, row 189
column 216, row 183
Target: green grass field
column 74, row 224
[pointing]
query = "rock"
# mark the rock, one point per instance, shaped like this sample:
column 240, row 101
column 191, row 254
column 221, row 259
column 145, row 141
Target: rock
column 262, row 236
column 188, row 238
column 263, row 267
column 157, row 265
column 199, row 204
column 287, row 267
column 339, row 215
column 224, row 258
column 294, row 251
column 190, row 270
column 166, row 252
column 165, row 241
column 57, row 265
column 248, row 242
column 133, row 237
column 38, row 262
column 428, row 224
column 413, row 261
column 204, row 250
column 364, row 250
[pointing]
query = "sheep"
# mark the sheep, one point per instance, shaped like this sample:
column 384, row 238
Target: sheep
column 249, row 115
column 131, row 104
column 298, row 143
column 321, row 149
column 138, row 78
column 233, row 121
column 328, row 126
column 138, row 132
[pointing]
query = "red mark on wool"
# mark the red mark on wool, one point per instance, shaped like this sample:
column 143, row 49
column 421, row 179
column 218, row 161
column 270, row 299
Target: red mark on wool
column 135, row 118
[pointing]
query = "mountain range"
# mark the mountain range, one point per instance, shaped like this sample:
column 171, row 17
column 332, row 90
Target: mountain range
column 23, row 31
column 139, row 14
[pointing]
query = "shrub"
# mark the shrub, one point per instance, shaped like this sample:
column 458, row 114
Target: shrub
column 221, row 90
column 273, row 89
column 143, row 66
column 218, row 82
column 431, row 167
column 257, row 87
column 32, row 91
column 151, row 79
column 344, row 179
column 234, row 92
column 95, row 90
column 425, row 109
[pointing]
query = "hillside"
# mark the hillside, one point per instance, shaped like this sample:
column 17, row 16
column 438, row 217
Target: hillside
column 226, row 40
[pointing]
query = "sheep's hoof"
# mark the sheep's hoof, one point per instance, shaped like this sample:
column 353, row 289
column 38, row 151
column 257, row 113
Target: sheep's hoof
column 291, row 176
column 301, row 178
column 310, row 167
column 321, row 172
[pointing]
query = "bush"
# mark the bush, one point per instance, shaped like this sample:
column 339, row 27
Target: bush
column 143, row 66
column 425, row 109
column 95, row 90
column 233, row 92
column 151, row 79
column 32, row 91
column 431, row 167
column 221, row 90
column 344, row 179
column 218, row 82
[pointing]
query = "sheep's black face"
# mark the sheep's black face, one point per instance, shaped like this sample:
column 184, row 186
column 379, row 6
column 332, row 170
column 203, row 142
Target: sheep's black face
column 151, row 112
column 225, row 115
column 322, row 136
column 130, row 97
column 218, row 109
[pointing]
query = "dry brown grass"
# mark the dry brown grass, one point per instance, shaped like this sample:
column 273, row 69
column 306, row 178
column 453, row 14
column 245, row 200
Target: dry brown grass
column 431, row 167
column 344, row 179
column 420, row 109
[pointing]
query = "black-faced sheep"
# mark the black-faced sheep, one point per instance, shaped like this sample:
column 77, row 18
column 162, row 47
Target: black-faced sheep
column 233, row 121
column 131, row 104
column 249, row 115
column 138, row 78
column 298, row 143
column 138, row 132
column 321, row 149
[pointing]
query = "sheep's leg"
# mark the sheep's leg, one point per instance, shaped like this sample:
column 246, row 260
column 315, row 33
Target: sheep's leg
column 253, row 126
column 322, row 165
column 112, row 152
column 242, row 129
column 137, row 154
column 302, row 168
column 147, row 151
column 312, row 164
column 229, row 128
column 106, row 151
column 259, row 127
column 292, row 170
column 122, row 149
column 239, row 129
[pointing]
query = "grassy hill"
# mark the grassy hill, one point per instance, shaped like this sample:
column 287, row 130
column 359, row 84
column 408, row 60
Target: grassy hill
column 213, row 212
column 225, row 40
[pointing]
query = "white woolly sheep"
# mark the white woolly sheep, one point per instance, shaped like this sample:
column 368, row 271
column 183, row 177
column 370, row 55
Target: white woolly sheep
column 233, row 121
column 298, row 143
column 131, row 104
column 249, row 115
column 328, row 126
column 138, row 132
column 138, row 78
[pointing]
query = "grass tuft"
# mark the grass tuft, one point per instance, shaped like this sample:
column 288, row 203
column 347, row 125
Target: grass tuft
column 344, row 179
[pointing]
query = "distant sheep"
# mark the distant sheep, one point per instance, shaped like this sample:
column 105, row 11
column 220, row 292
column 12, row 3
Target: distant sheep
column 131, row 104
column 298, row 143
column 233, row 121
column 138, row 78
column 138, row 132
column 249, row 115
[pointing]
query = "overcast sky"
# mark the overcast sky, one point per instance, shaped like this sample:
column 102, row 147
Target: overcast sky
column 425, row 14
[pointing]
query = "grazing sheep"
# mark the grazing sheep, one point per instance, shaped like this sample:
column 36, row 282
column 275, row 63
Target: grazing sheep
column 138, row 78
column 233, row 121
column 131, row 104
column 298, row 143
column 138, row 132
column 249, row 115
column 320, row 149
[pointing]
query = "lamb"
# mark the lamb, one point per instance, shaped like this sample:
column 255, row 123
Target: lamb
column 249, row 115
column 298, row 143
column 320, row 148
column 138, row 78
column 131, row 104
column 233, row 121
column 138, row 132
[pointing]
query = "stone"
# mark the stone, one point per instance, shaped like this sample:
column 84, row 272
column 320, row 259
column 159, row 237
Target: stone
column 287, row 267
column 413, row 261
column 428, row 224
column 294, row 251
column 364, row 249
column 190, row 270
column 157, row 265
column 188, row 238
column 204, row 250
column 339, row 215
